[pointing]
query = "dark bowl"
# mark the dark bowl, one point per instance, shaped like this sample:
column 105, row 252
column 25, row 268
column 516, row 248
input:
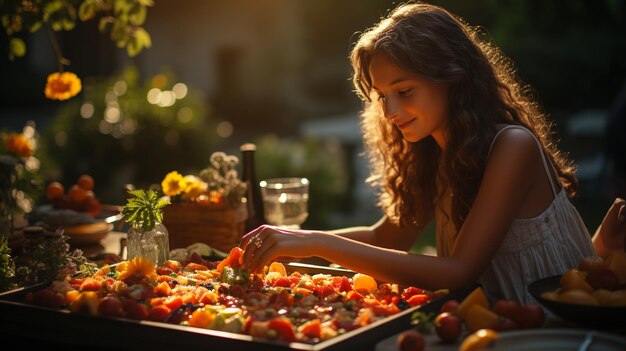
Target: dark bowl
column 584, row 315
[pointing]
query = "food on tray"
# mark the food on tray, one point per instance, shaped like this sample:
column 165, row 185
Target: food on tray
column 596, row 281
column 220, row 295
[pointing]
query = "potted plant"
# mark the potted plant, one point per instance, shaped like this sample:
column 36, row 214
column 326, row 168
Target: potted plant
column 147, row 236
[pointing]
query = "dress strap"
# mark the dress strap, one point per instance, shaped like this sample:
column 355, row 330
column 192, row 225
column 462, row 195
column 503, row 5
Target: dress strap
column 543, row 156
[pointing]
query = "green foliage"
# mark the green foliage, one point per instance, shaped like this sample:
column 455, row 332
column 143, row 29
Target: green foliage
column 424, row 322
column 321, row 161
column 145, row 209
column 49, row 259
column 7, row 266
column 122, row 18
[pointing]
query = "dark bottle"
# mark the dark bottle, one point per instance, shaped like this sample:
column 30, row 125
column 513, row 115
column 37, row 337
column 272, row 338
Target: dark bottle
column 253, row 196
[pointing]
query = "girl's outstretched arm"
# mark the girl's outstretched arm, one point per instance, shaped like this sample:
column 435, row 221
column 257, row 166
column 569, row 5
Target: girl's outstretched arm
column 513, row 168
column 384, row 234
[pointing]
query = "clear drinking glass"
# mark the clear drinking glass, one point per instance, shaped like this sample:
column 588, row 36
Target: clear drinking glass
column 285, row 201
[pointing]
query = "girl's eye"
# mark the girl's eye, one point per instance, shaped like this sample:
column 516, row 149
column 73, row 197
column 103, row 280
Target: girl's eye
column 381, row 97
column 405, row 92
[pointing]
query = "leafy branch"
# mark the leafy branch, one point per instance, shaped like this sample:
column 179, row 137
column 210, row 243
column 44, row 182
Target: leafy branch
column 145, row 209
column 123, row 18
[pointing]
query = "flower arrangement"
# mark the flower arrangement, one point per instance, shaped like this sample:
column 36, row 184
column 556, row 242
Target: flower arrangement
column 217, row 184
column 208, row 207
column 20, row 181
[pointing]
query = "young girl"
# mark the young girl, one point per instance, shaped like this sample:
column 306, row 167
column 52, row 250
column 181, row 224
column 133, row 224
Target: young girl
column 451, row 137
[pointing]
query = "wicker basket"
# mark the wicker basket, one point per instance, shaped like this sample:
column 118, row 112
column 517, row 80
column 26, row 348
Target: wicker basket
column 219, row 226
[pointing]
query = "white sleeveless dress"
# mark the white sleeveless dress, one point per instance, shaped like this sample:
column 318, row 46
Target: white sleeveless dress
column 546, row 245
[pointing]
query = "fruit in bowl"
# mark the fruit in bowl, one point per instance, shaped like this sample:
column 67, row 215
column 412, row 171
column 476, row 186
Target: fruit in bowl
column 79, row 197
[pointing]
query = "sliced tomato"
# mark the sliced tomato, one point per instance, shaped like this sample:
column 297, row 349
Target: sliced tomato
column 90, row 284
column 159, row 313
column 417, row 299
column 283, row 328
column 410, row 291
column 163, row 270
column 342, row 284
column 311, row 329
column 283, row 281
column 233, row 260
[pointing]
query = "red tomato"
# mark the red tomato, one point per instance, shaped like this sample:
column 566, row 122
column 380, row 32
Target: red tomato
column 159, row 313
column 410, row 340
column 134, row 310
column 283, row 281
column 530, row 316
column 162, row 270
column 448, row 327
column 283, row 328
column 90, row 284
column 311, row 329
column 506, row 308
column 410, row 291
column 110, row 306
column 342, row 284
column 449, row 306
column 417, row 299
column 504, row 324
column 47, row 298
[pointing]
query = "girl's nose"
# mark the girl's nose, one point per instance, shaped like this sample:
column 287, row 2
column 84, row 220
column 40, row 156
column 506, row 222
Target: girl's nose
column 390, row 110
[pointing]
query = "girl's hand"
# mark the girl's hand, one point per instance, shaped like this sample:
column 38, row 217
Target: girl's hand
column 266, row 243
column 611, row 234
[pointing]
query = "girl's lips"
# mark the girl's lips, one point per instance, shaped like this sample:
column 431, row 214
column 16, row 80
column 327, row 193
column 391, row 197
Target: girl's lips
column 404, row 124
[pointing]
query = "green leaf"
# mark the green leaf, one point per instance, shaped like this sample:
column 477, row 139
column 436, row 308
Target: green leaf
column 104, row 23
column 86, row 11
column 35, row 26
column 68, row 24
column 137, row 15
column 18, row 47
column 143, row 209
column 143, row 38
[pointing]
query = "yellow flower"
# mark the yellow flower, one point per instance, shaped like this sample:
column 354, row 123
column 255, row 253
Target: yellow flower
column 62, row 86
column 140, row 266
column 18, row 145
column 173, row 184
column 194, row 188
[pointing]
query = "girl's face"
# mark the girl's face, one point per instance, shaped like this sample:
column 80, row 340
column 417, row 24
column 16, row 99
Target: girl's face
column 413, row 104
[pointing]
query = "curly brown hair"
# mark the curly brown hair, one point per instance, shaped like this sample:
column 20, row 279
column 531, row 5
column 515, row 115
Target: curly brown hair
column 483, row 92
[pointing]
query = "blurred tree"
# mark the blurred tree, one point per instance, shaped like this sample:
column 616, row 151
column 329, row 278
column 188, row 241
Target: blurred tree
column 122, row 18
column 128, row 131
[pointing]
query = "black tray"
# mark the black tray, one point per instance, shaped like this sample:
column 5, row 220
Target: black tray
column 39, row 326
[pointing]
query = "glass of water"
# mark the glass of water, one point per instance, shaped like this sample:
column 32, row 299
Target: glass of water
column 285, row 201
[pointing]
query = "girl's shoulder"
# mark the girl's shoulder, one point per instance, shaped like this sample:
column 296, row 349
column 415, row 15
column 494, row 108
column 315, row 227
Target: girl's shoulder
column 514, row 141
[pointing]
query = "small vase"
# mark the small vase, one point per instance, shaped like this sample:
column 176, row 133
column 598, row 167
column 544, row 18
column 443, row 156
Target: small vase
column 152, row 244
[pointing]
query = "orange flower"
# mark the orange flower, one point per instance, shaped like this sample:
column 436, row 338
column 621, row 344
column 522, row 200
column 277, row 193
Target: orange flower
column 137, row 266
column 18, row 145
column 62, row 86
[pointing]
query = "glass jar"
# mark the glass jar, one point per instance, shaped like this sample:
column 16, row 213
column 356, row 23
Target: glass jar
column 153, row 244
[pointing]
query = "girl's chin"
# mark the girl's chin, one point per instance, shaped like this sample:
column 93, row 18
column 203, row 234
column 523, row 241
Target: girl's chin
column 412, row 138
